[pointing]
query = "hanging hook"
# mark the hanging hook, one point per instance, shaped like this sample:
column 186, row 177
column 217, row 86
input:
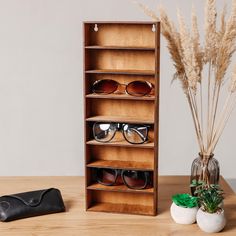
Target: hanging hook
column 95, row 28
column 153, row 28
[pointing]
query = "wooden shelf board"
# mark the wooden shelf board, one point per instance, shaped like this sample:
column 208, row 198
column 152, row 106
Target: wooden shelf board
column 121, row 144
column 121, row 208
column 121, row 119
column 118, row 188
column 121, row 72
column 130, row 165
column 120, row 96
column 112, row 47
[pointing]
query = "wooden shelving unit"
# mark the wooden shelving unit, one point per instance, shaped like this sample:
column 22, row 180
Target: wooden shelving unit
column 121, row 51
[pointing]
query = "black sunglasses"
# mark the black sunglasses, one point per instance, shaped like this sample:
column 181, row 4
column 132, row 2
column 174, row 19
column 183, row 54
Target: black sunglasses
column 133, row 179
column 133, row 133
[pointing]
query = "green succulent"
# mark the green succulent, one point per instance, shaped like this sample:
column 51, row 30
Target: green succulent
column 185, row 200
column 209, row 197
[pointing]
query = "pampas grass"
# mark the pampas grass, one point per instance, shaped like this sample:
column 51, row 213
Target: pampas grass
column 210, row 31
column 190, row 59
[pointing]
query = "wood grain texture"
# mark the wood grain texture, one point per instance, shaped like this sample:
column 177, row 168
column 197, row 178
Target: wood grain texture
column 121, row 143
column 122, row 208
column 119, row 48
column 129, row 165
column 119, row 96
column 118, row 188
column 76, row 221
column 125, row 119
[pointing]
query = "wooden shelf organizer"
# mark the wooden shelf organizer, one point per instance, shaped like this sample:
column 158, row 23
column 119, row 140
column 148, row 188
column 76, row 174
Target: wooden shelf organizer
column 122, row 51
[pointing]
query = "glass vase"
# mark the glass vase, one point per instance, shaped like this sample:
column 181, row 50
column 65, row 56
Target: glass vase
column 205, row 168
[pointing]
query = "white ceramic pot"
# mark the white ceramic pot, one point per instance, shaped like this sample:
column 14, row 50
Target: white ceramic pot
column 182, row 215
column 211, row 223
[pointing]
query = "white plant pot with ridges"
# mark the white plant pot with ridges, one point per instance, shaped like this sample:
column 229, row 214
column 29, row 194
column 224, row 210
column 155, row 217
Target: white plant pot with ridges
column 211, row 223
column 182, row 215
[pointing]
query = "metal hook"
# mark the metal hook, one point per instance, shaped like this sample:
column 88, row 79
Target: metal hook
column 153, row 28
column 95, row 28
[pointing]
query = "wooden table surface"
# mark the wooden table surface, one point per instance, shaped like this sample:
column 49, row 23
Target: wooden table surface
column 76, row 221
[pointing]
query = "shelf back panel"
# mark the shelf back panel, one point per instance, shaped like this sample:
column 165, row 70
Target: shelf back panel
column 122, row 108
column 120, row 60
column 122, row 208
column 120, row 154
column 129, row 35
column 122, row 198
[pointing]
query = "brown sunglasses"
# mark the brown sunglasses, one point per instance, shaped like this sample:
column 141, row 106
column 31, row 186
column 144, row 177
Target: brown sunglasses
column 136, row 88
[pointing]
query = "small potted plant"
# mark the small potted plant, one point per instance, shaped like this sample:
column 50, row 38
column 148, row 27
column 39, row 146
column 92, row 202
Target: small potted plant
column 184, row 208
column 210, row 216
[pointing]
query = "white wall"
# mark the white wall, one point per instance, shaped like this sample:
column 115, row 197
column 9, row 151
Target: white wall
column 41, row 99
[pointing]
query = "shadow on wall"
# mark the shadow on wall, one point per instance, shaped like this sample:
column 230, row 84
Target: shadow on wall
column 232, row 183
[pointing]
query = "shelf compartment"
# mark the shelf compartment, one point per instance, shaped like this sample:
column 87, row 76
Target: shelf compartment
column 129, row 165
column 120, row 60
column 111, row 47
column 121, row 144
column 118, row 188
column 142, row 158
column 122, row 208
column 121, row 72
column 121, row 78
column 121, row 35
column 119, row 96
column 125, row 108
column 121, row 202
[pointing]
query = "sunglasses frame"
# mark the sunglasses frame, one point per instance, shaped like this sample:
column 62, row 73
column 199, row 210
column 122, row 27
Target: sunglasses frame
column 121, row 173
column 117, row 125
column 151, row 86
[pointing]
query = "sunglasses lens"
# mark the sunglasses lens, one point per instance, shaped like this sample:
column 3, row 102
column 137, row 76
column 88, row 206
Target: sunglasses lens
column 135, row 134
column 105, row 86
column 104, row 132
column 135, row 179
column 138, row 88
column 106, row 176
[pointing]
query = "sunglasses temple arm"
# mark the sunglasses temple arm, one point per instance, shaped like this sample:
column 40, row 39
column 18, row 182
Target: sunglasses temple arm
column 152, row 89
column 139, row 133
